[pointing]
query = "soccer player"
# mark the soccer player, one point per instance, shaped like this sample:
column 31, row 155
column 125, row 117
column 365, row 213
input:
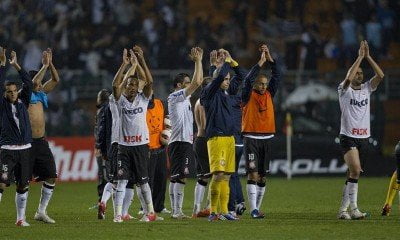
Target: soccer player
column 393, row 185
column 201, row 153
column 112, row 153
column 180, row 149
column 15, row 135
column 354, row 99
column 133, row 151
column 44, row 167
column 258, row 128
column 218, row 100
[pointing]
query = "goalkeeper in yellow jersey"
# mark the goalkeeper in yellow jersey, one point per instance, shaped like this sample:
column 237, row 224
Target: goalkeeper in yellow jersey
column 394, row 184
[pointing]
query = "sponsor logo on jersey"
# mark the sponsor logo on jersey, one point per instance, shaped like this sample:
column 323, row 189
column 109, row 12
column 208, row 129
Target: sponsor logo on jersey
column 361, row 103
column 132, row 139
column 359, row 131
column 132, row 111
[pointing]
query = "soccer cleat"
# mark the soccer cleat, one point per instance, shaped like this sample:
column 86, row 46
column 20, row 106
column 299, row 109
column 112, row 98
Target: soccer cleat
column 144, row 218
column 356, row 214
column 118, row 219
column 204, row 213
column 180, row 215
column 152, row 217
column 257, row 214
column 101, row 211
column 44, row 218
column 240, row 208
column 22, row 223
column 158, row 218
column 127, row 217
column 165, row 211
column 213, row 217
column 344, row 215
column 386, row 210
column 229, row 217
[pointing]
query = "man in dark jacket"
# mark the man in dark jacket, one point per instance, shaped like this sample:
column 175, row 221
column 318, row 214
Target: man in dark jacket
column 15, row 134
column 102, row 135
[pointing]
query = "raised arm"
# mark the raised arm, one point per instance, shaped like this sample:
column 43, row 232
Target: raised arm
column 27, row 85
column 38, row 78
column 239, row 75
column 120, row 74
column 251, row 77
column 375, row 80
column 55, row 79
column 196, row 54
column 275, row 75
column 131, row 71
column 3, row 61
column 213, row 62
column 145, row 77
column 351, row 73
column 142, row 61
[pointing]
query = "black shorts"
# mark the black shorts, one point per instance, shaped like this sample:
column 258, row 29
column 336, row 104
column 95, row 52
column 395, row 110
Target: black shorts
column 348, row 143
column 111, row 163
column 180, row 154
column 201, row 153
column 257, row 153
column 132, row 163
column 44, row 166
column 17, row 163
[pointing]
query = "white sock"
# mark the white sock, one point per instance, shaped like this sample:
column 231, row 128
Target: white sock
column 198, row 197
column 179, row 192
column 345, row 199
column 252, row 196
column 47, row 192
column 114, row 192
column 127, row 200
column 119, row 196
column 171, row 197
column 108, row 189
column 146, row 191
column 353, row 192
column 20, row 204
column 260, row 196
column 141, row 200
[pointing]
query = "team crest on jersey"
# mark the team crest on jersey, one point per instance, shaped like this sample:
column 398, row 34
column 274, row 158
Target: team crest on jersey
column 252, row 165
column 222, row 162
column 186, row 171
column 4, row 176
column 120, row 172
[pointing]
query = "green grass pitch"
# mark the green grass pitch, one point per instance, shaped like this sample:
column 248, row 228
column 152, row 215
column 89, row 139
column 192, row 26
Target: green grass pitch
column 303, row 208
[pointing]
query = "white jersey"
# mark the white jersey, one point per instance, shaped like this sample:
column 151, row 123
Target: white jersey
column 115, row 120
column 181, row 116
column 133, row 130
column 355, row 107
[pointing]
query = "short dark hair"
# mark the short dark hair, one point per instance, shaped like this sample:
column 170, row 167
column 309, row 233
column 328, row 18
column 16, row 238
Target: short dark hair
column 9, row 83
column 104, row 94
column 180, row 78
column 133, row 77
column 206, row 81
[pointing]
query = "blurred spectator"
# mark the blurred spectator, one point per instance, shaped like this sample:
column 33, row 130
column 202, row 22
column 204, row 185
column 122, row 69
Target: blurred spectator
column 386, row 17
column 373, row 32
column 349, row 37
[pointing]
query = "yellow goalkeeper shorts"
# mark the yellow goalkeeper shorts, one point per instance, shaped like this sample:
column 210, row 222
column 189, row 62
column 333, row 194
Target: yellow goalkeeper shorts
column 221, row 154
